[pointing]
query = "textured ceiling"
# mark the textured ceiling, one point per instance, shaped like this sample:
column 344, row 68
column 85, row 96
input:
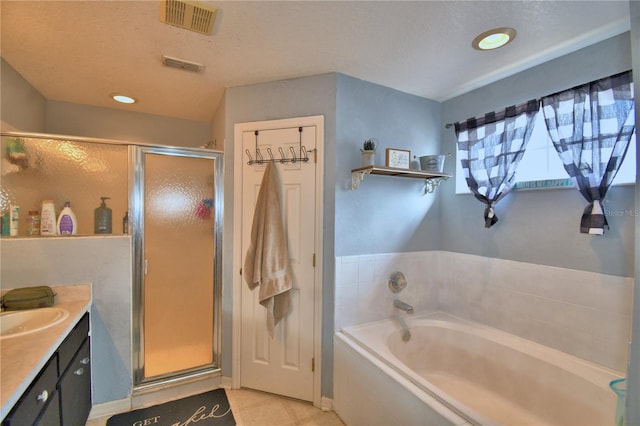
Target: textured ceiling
column 81, row 51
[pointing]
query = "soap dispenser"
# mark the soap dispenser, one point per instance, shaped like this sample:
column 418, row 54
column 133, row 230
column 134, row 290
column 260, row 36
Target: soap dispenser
column 102, row 218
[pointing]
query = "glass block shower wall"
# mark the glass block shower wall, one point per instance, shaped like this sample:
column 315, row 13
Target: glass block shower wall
column 37, row 169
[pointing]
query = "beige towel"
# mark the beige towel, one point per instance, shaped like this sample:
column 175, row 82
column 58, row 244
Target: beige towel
column 267, row 261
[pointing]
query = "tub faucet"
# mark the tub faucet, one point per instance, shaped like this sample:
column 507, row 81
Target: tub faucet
column 403, row 306
column 406, row 334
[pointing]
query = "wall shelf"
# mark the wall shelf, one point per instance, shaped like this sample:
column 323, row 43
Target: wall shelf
column 432, row 179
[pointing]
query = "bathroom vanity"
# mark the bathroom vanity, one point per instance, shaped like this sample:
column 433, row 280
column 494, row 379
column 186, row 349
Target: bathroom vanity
column 46, row 374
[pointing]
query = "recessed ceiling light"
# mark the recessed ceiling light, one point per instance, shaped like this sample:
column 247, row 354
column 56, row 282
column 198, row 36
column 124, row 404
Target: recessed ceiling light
column 124, row 99
column 494, row 38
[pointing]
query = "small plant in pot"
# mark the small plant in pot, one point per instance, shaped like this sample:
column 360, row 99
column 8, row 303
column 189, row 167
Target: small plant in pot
column 369, row 145
column 368, row 152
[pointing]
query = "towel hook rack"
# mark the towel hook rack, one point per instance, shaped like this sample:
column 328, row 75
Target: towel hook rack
column 270, row 154
column 302, row 155
column 283, row 157
column 249, row 155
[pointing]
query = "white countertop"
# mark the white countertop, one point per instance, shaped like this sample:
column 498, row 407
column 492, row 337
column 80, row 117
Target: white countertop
column 22, row 357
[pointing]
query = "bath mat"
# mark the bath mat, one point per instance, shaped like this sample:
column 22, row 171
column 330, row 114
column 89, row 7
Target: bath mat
column 207, row 409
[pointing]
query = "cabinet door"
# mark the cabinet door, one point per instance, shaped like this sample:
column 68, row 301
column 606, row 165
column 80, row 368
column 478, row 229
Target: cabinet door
column 75, row 389
column 71, row 344
column 51, row 415
column 36, row 398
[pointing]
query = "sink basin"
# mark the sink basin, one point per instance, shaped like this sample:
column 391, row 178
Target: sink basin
column 19, row 323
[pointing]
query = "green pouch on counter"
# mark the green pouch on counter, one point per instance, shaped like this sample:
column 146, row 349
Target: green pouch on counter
column 28, row 298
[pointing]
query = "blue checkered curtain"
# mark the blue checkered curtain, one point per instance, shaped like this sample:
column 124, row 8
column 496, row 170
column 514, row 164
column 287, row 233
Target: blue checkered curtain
column 591, row 126
column 491, row 146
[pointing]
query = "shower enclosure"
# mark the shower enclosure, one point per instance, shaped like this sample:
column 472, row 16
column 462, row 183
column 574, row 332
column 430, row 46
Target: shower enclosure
column 173, row 200
column 176, row 217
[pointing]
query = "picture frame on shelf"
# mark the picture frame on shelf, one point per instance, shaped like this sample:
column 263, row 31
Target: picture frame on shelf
column 398, row 158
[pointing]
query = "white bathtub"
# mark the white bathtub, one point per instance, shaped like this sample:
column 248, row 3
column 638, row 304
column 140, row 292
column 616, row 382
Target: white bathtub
column 456, row 372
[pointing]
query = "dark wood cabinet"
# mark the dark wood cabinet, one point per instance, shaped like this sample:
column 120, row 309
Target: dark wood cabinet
column 51, row 414
column 75, row 389
column 61, row 393
column 37, row 397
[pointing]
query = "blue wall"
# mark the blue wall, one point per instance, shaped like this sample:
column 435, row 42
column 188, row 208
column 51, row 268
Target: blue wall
column 298, row 97
column 541, row 226
column 23, row 107
column 385, row 214
column 65, row 118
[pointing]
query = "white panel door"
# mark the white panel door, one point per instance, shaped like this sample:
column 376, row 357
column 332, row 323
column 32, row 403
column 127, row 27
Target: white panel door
column 282, row 364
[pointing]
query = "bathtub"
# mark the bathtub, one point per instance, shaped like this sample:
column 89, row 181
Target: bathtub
column 456, row 372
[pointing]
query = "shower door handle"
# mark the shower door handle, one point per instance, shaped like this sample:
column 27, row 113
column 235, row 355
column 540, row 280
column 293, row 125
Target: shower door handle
column 146, row 263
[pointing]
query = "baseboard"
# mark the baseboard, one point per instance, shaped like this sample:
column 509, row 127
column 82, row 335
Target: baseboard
column 110, row 408
column 226, row 382
column 326, row 404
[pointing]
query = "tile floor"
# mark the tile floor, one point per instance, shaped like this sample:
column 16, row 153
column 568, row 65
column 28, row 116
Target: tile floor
column 254, row 408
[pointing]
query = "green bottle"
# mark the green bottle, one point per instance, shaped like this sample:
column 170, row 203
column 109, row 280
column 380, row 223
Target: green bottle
column 102, row 218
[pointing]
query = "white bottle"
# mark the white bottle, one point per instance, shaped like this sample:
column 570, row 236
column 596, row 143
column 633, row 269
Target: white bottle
column 14, row 216
column 67, row 224
column 48, row 218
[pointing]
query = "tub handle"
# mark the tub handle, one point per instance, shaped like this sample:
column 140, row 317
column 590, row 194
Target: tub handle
column 397, row 282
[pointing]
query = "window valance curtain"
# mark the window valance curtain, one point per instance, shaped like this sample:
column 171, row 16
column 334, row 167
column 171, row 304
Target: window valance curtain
column 591, row 127
column 490, row 148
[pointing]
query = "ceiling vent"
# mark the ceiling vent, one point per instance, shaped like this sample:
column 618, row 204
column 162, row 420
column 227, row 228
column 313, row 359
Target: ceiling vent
column 181, row 64
column 196, row 16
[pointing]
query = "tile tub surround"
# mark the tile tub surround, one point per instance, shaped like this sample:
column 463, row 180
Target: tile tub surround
column 362, row 286
column 23, row 357
column 585, row 314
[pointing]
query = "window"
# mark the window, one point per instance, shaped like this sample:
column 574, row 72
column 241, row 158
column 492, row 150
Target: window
column 541, row 166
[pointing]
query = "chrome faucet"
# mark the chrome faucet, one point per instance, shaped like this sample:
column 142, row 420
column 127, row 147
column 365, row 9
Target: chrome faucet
column 406, row 334
column 403, row 306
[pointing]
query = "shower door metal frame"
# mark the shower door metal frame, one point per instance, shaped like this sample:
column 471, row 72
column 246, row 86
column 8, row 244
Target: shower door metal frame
column 136, row 229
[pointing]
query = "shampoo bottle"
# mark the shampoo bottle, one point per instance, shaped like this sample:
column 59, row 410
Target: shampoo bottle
column 14, row 217
column 48, row 218
column 67, row 224
column 102, row 218
column 5, row 223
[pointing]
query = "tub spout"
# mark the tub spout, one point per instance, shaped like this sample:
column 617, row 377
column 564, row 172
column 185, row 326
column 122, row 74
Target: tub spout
column 403, row 306
column 406, row 334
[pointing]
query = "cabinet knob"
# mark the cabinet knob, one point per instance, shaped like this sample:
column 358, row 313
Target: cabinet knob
column 43, row 396
column 79, row 371
column 84, row 361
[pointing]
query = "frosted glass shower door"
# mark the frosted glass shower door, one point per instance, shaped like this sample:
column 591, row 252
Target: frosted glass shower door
column 178, row 264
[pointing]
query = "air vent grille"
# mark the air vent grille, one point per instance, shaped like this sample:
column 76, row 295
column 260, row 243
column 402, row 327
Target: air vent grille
column 192, row 15
column 181, row 64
